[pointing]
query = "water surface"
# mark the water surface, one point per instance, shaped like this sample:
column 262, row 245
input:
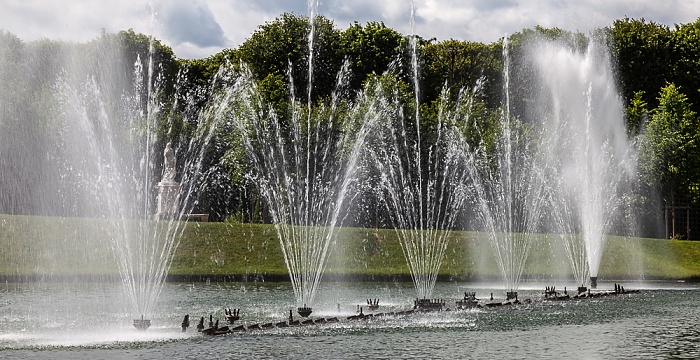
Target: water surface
column 87, row 321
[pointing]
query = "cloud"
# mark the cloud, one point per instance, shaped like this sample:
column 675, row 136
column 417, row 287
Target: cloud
column 471, row 20
column 240, row 18
column 76, row 20
column 394, row 13
column 281, row 6
column 191, row 22
column 200, row 28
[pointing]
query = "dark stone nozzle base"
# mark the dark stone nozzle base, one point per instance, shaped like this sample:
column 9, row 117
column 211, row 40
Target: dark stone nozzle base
column 428, row 304
column 142, row 324
column 469, row 301
column 304, row 311
column 373, row 304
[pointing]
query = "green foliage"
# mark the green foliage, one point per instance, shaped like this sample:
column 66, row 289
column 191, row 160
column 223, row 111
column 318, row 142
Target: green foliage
column 686, row 55
column 644, row 57
column 370, row 50
column 283, row 43
column 206, row 69
column 274, row 90
column 649, row 56
column 637, row 113
column 576, row 41
column 28, row 122
column 119, row 52
column 11, row 71
column 196, row 77
column 670, row 152
column 462, row 64
column 399, row 109
column 480, row 124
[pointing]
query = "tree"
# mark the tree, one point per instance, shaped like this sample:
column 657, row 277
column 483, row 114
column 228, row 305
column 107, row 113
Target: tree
column 644, row 57
column 685, row 40
column 28, row 125
column 459, row 64
column 284, row 42
column 370, row 50
column 670, row 149
column 637, row 114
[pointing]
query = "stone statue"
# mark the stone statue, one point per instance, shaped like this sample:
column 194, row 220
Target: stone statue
column 168, row 189
column 169, row 164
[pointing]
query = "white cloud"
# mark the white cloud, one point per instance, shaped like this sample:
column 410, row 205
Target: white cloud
column 200, row 28
column 79, row 20
column 191, row 22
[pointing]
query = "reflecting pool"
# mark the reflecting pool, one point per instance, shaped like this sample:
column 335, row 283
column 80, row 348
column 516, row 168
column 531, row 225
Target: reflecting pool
column 87, row 321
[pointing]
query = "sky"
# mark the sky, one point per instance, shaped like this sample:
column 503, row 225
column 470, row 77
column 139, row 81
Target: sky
column 201, row 28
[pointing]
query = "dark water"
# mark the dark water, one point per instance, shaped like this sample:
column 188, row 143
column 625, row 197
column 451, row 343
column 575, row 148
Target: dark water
column 88, row 321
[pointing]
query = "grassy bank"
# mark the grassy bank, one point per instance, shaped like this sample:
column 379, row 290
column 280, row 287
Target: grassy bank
column 38, row 247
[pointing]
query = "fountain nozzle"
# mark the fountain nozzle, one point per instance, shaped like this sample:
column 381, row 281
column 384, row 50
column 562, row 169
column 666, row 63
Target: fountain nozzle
column 142, row 324
column 304, row 311
column 594, row 282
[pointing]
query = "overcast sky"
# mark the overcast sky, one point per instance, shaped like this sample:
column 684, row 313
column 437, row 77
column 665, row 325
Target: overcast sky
column 200, row 28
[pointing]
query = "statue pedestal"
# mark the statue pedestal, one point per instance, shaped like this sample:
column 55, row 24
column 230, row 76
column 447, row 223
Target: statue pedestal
column 167, row 196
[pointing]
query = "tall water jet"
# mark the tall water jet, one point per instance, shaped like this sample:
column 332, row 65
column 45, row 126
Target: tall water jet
column 303, row 169
column 111, row 152
column 416, row 175
column 422, row 198
column 303, row 164
column 583, row 119
column 508, row 187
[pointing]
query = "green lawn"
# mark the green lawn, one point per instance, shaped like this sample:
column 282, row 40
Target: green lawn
column 49, row 246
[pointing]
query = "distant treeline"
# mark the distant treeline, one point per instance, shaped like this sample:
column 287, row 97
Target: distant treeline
column 657, row 70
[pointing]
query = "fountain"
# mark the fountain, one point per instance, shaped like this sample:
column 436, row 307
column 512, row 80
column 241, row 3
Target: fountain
column 415, row 176
column 422, row 199
column 142, row 324
column 586, row 143
column 508, row 190
column 469, row 301
column 112, row 154
column 305, row 169
column 303, row 166
column 565, row 155
column 303, row 173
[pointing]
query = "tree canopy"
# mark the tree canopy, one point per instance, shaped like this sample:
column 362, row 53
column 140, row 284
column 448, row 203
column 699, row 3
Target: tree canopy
column 657, row 70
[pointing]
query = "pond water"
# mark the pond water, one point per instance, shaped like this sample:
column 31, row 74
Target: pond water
column 87, row 321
